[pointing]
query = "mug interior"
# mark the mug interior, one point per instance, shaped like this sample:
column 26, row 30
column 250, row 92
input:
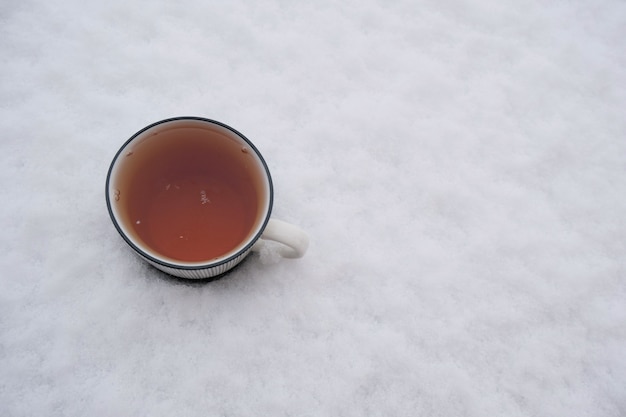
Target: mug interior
column 140, row 177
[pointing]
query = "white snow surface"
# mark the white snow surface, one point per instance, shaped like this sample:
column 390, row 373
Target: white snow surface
column 459, row 166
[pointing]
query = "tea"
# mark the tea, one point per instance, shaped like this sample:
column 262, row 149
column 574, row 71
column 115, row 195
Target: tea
column 190, row 193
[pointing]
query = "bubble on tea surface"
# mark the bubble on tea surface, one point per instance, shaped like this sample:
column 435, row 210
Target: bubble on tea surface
column 245, row 149
column 129, row 153
column 116, row 193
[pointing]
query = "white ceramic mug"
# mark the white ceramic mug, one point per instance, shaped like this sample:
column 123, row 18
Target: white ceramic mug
column 186, row 185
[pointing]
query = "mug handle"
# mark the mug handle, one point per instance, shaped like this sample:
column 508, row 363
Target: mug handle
column 293, row 238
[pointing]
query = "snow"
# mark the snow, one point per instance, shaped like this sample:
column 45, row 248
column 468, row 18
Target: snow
column 460, row 168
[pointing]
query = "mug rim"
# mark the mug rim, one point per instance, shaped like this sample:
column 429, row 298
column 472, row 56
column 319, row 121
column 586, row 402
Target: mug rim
column 201, row 264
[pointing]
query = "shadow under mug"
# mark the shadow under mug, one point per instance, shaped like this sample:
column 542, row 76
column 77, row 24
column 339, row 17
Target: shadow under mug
column 193, row 197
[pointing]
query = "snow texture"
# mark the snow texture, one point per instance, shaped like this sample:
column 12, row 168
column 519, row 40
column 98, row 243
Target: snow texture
column 459, row 166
